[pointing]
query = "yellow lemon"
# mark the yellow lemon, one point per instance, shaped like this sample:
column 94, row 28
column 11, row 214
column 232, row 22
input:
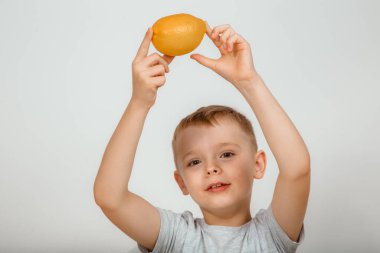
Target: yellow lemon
column 178, row 34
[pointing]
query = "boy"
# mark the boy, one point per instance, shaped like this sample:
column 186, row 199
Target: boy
column 216, row 158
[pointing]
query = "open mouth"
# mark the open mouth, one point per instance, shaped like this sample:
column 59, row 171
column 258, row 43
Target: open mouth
column 218, row 187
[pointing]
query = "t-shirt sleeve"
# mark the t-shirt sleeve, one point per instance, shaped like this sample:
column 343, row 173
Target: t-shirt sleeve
column 173, row 228
column 281, row 239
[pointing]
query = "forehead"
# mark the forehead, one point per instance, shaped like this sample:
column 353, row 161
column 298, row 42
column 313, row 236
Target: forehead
column 224, row 131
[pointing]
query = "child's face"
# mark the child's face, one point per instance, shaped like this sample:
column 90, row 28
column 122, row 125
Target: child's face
column 210, row 162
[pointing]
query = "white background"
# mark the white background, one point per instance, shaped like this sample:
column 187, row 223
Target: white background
column 65, row 76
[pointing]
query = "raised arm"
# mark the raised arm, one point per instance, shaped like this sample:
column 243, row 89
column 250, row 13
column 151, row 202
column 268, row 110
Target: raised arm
column 111, row 183
column 132, row 214
column 292, row 188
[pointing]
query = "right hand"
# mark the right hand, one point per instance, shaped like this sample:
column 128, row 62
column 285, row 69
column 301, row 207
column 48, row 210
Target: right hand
column 148, row 73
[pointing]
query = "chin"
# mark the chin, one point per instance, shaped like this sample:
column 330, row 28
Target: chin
column 216, row 205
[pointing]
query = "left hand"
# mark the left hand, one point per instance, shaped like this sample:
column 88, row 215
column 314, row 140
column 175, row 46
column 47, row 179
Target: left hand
column 235, row 64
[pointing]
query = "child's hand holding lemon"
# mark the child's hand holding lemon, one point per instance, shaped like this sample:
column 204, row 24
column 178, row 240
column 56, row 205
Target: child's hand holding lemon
column 148, row 73
column 236, row 63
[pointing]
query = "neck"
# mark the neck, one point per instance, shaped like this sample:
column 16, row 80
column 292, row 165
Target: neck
column 233, row 216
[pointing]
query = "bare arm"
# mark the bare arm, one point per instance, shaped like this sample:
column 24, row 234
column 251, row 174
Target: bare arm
column 291, row 193
column 129, row 212
column 111, row 184
column 135, row 216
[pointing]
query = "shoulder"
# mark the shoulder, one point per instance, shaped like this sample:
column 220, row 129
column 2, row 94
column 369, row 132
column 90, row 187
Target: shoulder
column 268, row 225
column 179, row 219
column 174, row 226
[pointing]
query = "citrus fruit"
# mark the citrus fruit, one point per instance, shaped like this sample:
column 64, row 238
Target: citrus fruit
column 178, row 34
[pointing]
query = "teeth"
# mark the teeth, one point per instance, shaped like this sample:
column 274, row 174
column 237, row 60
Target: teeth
column 216, row 185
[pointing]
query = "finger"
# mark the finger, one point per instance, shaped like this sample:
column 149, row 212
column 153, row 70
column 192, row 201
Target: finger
column 231, row 40
column 236, row 39
column 144, row 47
column 155, row 59
column 223, row 39
column 216, row 35
column 218, row 30
column 205, row 61
column 158, row 81
column 157, row 70
column 225, row 35
column 208, row 30
column 215, row 40
column 168, row 58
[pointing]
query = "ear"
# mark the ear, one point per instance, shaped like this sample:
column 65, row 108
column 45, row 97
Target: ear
column 181, row 184
column 261, row 162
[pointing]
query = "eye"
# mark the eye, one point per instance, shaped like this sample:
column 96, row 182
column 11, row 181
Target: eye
column 232, row 154
column 191, row 162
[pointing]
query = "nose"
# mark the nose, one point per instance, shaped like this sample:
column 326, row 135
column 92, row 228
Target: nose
column 213, row 170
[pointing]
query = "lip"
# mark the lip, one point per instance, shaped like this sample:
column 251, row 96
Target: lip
column 218, row 182
column 219, row 189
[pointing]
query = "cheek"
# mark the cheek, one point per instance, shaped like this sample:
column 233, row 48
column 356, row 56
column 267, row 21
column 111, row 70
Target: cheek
column 243, row 174
column 193, row 180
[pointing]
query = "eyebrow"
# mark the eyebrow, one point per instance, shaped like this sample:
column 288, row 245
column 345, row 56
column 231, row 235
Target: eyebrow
column 222, row 144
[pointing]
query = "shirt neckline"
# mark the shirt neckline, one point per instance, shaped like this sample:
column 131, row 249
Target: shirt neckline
column 206, row 226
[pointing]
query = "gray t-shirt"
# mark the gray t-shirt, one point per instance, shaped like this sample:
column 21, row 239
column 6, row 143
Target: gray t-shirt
column 180, row 232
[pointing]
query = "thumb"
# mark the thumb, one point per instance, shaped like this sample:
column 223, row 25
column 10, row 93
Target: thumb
column 205, row 61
